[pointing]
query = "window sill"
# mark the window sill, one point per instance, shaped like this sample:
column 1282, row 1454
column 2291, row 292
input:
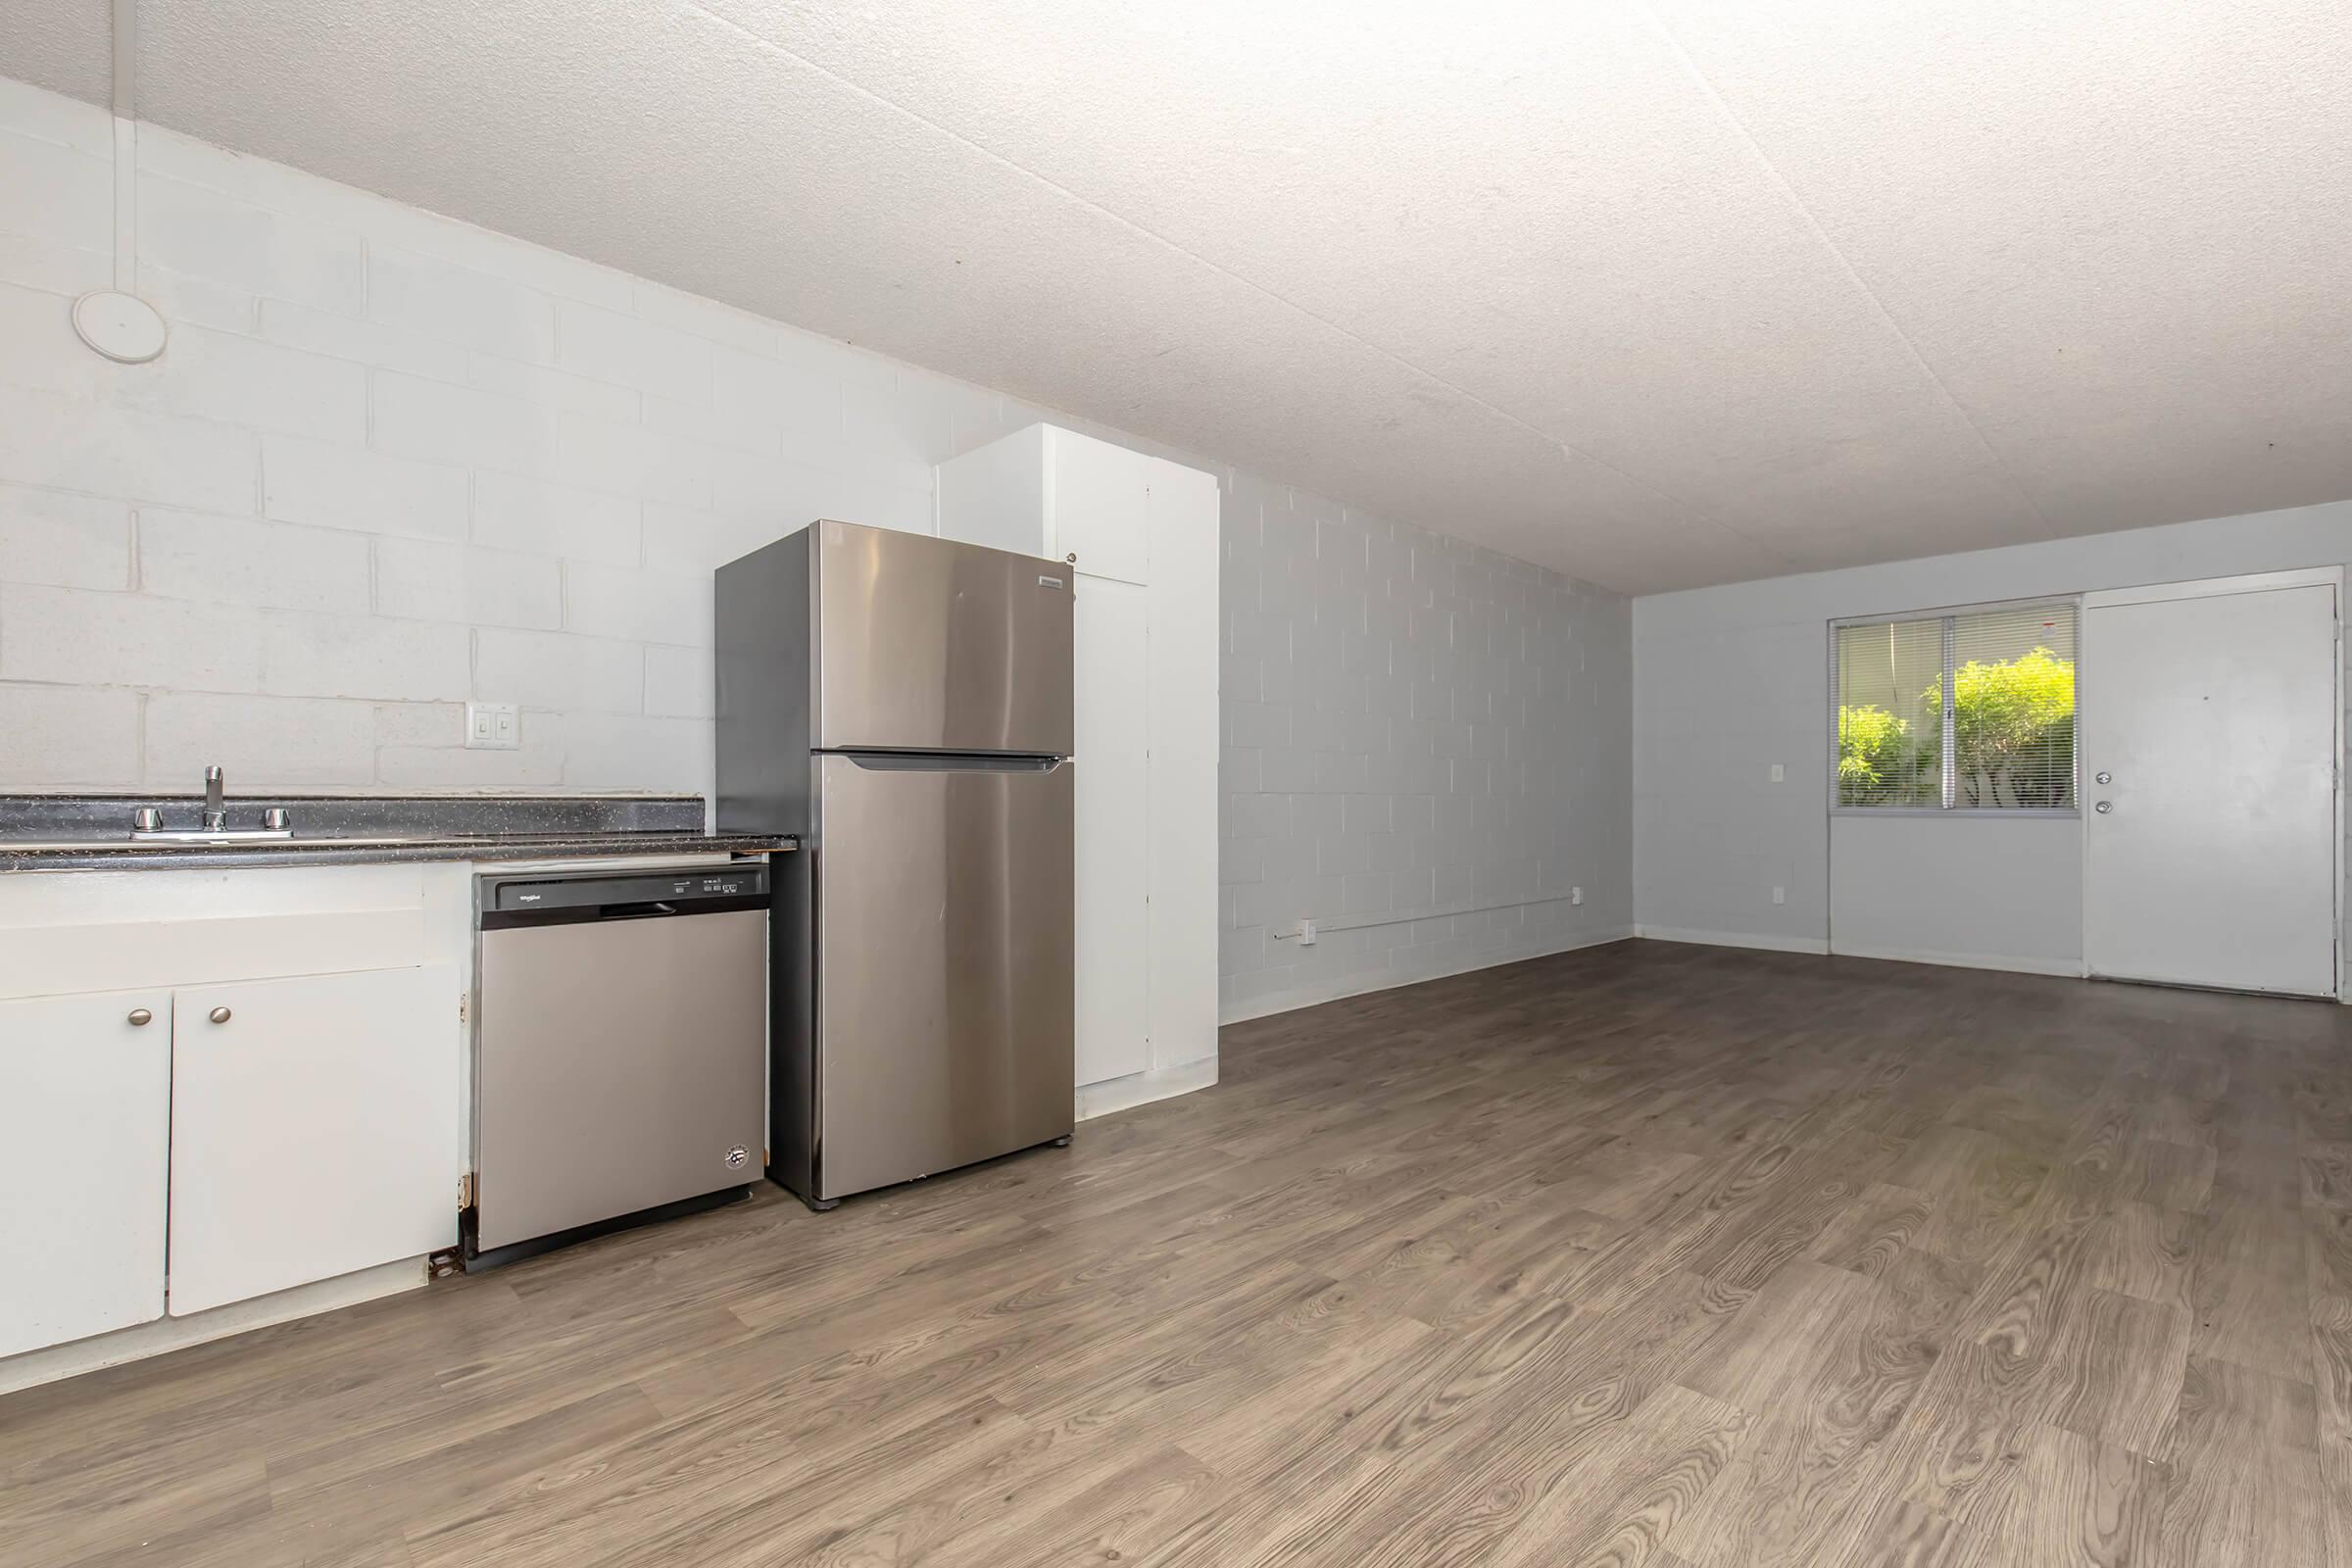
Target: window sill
column 2042, row 813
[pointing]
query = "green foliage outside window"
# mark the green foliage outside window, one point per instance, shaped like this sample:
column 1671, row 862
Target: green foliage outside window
column 2013, row 730
column 1879, row 763
column 2013, row 727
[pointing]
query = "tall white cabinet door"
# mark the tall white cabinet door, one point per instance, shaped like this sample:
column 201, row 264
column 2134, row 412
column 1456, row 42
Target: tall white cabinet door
column 313, row 1129
column 1112, row 829
column 1100, row 501
column 86, row 1118
column 1183, row 699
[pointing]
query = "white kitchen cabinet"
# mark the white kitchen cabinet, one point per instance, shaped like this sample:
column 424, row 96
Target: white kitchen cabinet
column 311, row 1131
column 1144, row 535
column 1185, row 734
column 1113, row 825
column 85, row 1090
column 1099, row 505
column 1044, row 491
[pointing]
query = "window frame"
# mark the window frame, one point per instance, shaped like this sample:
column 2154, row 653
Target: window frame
column 1949, row 615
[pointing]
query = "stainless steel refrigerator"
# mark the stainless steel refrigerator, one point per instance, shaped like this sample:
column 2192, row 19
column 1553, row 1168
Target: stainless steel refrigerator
column 903, row 703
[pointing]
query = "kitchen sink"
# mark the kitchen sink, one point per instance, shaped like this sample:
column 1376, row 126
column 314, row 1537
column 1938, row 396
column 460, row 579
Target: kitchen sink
column 198, row 840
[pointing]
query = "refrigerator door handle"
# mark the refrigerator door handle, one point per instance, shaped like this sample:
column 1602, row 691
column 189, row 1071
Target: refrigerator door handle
column 947, row 763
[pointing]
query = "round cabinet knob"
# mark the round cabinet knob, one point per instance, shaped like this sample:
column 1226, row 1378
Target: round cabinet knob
column 220, row 1015
column 2106, row 778
column 2104, row 807
column 140, row 1017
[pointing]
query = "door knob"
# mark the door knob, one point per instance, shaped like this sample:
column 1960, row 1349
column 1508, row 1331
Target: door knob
column 140, row 1017
column 2104, row 778
column 220, row 1015
column 2104, row 807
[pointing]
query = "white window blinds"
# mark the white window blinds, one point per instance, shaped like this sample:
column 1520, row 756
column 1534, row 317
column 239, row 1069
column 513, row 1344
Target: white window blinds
column 2005, row 741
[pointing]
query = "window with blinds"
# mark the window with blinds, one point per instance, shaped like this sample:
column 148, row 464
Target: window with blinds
column 2003, row 740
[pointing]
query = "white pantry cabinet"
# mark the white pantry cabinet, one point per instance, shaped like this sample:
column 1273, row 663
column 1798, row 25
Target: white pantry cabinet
column 309, row 1130
column 1112, row 809
column 1044, row 491
column 85, row 1090
column 1140, row 535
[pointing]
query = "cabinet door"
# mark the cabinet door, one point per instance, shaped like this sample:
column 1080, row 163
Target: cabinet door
column 313, row 1129
column 995, row 496
column 1183, row 687
column 1100, row 497
column 1112, row 829
column 85, row 1123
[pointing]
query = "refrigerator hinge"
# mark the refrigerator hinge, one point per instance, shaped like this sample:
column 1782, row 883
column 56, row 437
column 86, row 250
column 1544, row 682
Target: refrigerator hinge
column 465, row 1191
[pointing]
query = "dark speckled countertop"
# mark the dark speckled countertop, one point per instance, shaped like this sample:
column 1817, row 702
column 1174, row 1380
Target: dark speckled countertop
column 92, row 832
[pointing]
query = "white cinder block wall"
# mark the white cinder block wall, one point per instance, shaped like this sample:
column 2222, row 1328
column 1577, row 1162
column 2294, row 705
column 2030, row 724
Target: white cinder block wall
column 391, row 462
column 1730, row 680
column 1427, row 751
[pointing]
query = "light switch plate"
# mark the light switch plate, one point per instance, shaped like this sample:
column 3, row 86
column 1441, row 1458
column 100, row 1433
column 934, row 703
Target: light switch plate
column 492, row 727
column 1779, row 772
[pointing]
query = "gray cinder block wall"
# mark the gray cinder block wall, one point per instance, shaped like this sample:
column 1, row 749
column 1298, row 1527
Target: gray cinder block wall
column 1427, row 751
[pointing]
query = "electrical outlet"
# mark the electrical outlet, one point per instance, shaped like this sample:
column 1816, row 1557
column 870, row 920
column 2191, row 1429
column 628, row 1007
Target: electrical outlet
column 1306, row 933
column 492, row 727
column 1780, row 894
column 1576, row 895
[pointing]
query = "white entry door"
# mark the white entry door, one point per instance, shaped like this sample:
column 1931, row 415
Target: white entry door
column 2208, row 775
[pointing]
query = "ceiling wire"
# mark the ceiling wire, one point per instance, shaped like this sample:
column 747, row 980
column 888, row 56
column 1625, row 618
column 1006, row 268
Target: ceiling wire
column 125, row 102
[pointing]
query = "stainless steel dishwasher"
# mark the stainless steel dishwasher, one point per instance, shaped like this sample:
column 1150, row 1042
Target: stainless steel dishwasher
column 620, row 1045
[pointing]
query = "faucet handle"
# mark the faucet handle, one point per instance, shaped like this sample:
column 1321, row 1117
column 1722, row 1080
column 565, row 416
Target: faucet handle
column 275, row 819
column 146, row 820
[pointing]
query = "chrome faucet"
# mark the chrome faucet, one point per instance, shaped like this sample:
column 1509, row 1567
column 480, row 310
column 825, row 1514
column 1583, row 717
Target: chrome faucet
column 147, row 822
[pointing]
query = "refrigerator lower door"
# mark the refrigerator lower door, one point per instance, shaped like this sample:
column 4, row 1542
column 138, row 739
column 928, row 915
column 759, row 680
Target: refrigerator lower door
column 945, row 979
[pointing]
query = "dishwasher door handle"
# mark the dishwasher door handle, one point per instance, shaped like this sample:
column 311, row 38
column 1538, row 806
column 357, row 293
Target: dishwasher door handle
column 637, row 912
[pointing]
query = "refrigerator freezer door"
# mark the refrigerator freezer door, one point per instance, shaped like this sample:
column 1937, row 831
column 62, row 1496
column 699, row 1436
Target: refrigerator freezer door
column 926, row 644
column 944, row 978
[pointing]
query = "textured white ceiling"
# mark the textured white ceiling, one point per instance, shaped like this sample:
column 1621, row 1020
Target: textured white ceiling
column 1659, row 294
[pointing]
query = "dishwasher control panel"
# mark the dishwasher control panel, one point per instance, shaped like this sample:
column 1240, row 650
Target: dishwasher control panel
column 681, row 886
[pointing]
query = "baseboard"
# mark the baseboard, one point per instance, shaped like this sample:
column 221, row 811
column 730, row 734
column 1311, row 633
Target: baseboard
column 1143, row 1088
column 143, row 1340
column 1388, row 980
column 2068, row 969
column 1734, row 939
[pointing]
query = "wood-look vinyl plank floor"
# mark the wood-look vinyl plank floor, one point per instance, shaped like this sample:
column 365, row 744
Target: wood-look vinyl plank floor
column 1646, row 1254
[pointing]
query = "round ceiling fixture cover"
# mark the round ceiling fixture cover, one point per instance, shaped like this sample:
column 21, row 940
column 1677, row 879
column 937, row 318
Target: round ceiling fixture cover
column 120, row 326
